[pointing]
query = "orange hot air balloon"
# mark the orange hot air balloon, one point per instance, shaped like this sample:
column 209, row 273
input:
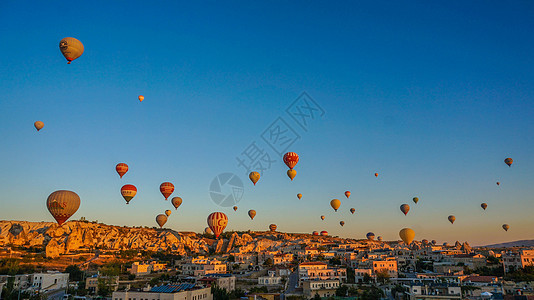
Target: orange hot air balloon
column 322, row 217
column 252, row 214
column 347, row 194
column 272, row 227
column 405, row 208
column 71, row 48
column 352, row 210
column 291, row 159
column 498, row 183
column 335, row 203
column 207, row 230
column 291, row 174
column 452, row 219
column 176, row 202
column 324, row 233
column 254, row 177
column 62, row 205
column 38, row 125
column 121, row 169
column 484, row 206
column 341, row 223
column 505, row 227
column 217, row 222
column 128, row 191
column 376, row 174
column 141, row 98
column 235, row 208
column 415, row 200
column 508, row 161
column 161, row 219
column 407, row 235
column 299, row 195
column 168, row 212
column 166, row 189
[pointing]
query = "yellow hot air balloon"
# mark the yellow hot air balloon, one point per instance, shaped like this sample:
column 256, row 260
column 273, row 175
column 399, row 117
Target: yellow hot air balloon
column 38, row 125
column 407, row 235
column 161, row 219
column 505, row 227
column 322, row 217
column 235, row 208
column 299, row 195
column 405, row 208
column 254, row 177
column 335, row 203
column 141, row 98
column 291, row 173
column 62, row 205
column 168, row 212
column 252, row 214
column 452, row 219
column 176, row 202
column 71, row 48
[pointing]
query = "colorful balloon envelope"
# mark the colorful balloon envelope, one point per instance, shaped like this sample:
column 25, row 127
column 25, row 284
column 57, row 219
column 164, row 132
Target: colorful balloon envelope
column 379, row 238
column 315, row 233
column 335, row 203
column 141, row 98
column 352, row 210
column 405, row 208
column 166, row 189
column 324, row 233
column 254, row 177
column 207, row 230
column 342, row 223
column 38, row 125
column 376, row 174
column 509, row 161
column 370, row 236
column 505, row 227
column 252, row 214
column 347, row 194
column 498, row 183
column 291, row 174
column 217, row 222
column 407, row 235
column 434, row 242
column 128, row 191
column 415, row 200
column 121, row 169
column 299, row 195
column 451, row 219
column 176, row 202
column 291, row 159
column 168, row 212
column 272, row 227
column 235, row 208
column 71, row 48
column 62, row 205
column 484, row 206
column 322, row 217
column 161, row 219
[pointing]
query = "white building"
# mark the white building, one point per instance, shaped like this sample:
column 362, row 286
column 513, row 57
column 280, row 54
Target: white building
column 184, row 291
column 269, row 280
column 325, row 288
column 49, row 281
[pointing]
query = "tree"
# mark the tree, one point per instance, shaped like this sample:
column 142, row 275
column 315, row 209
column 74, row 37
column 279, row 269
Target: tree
column 268, row 262
column 231, row 258
column 351, row 277
column 219, row 293
column 342, row 290
column 316, row 297
column 366, row 278
column 382, row 276
column 397, row 289
column 335, row 261
column 75, row 273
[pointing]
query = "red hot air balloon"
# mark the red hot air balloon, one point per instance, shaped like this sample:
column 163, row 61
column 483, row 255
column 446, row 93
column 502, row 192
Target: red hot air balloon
column 347, row 194
column 121, row 169
column 291, row 159
column 508, row 161
column 128, row 191
column 324, row 233
column 217, row 222
column 62, row 205
column 166, row 189
column 315, row 233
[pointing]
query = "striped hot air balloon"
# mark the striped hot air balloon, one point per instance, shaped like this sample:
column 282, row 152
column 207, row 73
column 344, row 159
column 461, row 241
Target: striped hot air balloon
column 324, row 233
column 166, row 189
column 62, row 205
column 217, row 222
column 121, row 169
column 272, row 227
column 128, row 191
column 291, row 159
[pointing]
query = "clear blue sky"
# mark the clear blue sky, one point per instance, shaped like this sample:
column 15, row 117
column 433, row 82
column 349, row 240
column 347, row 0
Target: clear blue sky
column 433, row 96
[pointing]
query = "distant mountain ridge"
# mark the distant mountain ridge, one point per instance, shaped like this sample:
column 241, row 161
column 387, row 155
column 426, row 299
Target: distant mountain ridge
column 520, row 243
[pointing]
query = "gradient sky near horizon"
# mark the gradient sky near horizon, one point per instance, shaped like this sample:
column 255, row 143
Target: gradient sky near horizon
column 431, row 95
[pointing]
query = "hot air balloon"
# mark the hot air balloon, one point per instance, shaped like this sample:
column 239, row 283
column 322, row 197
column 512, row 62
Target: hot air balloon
column 498, row 183
column 272, row 227
column 322, row 217
column 299, row 195
column 207, row 230
column 509, row 161
column 352, row 210
column 434, row 242
column 141, row 98
column 484, row 206
column 315, row 233
column 291, row 174
column 445, row 244
column 121, row 169
column 505, row 226
column 415, row 200
column 452, row 219
column 161, row 219
column 217, row 222
column 379, row 238
column 405, row 208
column 176, row 202
column 235, row 208
column 341, row 223
column 424, row 241
column 407, row 235
column 324, row 233
column 347, row 194
column 128, row 191
column 376, row 174
column 291, row 159
column 335, row 203
column 168, row 212
column 166, row 189
column 254, row 177
column 370, row 236
column 71, row 48
column 38, row 125
column 252, row 214
column 62, row 205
